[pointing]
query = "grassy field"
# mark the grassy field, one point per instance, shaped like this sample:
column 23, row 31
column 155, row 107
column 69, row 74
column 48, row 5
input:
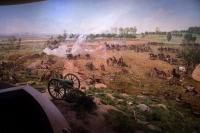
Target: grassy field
column 126, row 84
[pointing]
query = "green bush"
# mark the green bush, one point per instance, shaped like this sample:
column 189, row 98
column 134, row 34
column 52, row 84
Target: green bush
column 72, row 97
column 123, row 123
column 117, row 95
column 85, row 104
column 106, row 100
column 155, row 116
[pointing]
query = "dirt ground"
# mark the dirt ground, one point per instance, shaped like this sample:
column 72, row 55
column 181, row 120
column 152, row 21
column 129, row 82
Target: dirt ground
column 139, row 64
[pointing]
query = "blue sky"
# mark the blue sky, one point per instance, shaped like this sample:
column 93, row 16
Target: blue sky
column 97, row 16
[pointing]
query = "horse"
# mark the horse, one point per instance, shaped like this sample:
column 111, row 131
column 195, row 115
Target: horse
column 164, row 74
column 183, row 69
column 87, row 56
column 175, row 75
column 158, row 72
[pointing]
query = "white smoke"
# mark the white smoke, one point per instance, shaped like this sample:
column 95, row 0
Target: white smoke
column 101, row 48
column 77, row 48
column 60, row 51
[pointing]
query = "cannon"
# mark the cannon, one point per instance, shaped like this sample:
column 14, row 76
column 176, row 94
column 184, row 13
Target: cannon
column 58, row 88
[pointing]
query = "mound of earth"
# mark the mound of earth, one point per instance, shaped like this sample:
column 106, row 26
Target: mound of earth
column 196, row 73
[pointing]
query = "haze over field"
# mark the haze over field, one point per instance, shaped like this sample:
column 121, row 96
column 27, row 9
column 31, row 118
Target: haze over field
column 93, row 16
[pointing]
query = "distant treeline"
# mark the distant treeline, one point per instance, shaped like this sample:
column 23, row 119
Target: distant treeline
column 156, row 33
column 195, row 30
column 192, row 30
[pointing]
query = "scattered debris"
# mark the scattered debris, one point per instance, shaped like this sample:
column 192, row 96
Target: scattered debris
column 142, row 97
column 129, row 103
column 145, row 93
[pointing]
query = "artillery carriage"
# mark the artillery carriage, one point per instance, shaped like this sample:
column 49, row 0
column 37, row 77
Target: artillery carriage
column 58, row 88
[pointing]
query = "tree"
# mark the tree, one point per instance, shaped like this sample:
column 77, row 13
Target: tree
column 12, row 40
column 131, row 30
column 60, row 38
column 157, row 30
column 190, row 55
column 195, row 30
column 114, row 30
column 121, row 31
column 19, row 43
column 169, row 36
column 134, row 30
column 190, row 29
column 146, row 33
column 71, row 35
column 142, row 35
column 189, row 38
column 126, row 31
column 92, row 37
column 64, row 35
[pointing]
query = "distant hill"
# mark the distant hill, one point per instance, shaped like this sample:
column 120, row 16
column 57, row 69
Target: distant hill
column 25, row 35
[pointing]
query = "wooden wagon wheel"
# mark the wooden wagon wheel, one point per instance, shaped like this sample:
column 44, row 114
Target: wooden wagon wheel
column 56, row 89
column 74, row 78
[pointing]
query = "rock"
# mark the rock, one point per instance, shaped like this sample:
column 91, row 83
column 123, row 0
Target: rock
column 31, row 82
column 143, row 107
column 155, row 100
column 145, row 93
column 34, row 65
column 120, row 100
column 89, row 81
column 142, row 97
column 178, row 100
column 162, row 105
column 100, row 85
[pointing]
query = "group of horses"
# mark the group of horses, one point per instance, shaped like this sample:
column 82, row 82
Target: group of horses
column 163, row 57
column 138, row 48
column 155, row 43
column 111, row 61
column 116, row 47
column 75, row 57
column 190, row 44
column 155, row 72
column 168, row 49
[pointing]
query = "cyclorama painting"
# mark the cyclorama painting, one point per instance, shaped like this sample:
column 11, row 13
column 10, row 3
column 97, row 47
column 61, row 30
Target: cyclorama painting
column 135, row 62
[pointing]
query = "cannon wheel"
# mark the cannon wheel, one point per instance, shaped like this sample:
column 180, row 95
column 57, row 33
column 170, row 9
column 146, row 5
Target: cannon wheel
column 56, row 89
column 74, row 78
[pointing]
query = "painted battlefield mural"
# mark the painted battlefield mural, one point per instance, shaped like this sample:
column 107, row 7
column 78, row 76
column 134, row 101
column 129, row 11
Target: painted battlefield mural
column 134, row 64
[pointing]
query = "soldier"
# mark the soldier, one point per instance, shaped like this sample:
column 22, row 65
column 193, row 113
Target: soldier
column 102, row 67
column 107, row 61
column 87, row 56
column 114, row 59
column 121, row 59
column 91, row 66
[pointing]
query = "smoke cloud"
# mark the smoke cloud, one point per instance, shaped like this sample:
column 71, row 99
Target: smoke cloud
column 60, row 51
column 77, row 48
